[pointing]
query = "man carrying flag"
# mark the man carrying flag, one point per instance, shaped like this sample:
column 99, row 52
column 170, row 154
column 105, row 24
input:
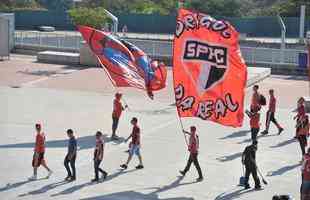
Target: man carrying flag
column 193, row 147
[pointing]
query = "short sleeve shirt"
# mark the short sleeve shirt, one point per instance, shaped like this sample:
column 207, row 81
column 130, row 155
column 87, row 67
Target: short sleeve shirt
column 72, row 145
column 40, row 143
column 135, row 135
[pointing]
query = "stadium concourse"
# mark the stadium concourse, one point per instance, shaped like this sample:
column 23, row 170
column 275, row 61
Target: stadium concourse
column 63, row 97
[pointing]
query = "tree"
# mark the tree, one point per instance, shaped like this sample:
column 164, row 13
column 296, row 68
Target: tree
column 93, row 17
column 229, row 8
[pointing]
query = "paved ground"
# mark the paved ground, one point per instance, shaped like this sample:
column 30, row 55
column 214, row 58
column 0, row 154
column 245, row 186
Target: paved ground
column 63, row 97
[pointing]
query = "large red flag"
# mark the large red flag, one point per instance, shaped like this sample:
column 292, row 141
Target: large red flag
column 208, row 69
column 125, row 64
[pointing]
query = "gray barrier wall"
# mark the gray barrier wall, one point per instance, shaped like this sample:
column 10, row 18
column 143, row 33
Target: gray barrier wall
column 11, row 19
column 4, row 37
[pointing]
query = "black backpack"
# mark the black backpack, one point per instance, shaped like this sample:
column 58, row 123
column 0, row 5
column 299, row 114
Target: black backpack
column 262, row 100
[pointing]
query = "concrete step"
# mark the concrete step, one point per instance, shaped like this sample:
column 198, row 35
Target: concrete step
column 59, row 57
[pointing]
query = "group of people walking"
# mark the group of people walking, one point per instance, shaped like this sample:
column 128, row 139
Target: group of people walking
column 248, row 156
column 99, row 146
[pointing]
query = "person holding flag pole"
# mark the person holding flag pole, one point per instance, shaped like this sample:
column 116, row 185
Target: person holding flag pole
column 193, row 147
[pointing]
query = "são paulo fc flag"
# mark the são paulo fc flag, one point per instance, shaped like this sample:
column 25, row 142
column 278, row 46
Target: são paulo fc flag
column 209, row 72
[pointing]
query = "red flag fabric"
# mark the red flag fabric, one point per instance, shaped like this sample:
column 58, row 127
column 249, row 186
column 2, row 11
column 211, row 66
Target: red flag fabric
column 208, row 69
column 125, row 64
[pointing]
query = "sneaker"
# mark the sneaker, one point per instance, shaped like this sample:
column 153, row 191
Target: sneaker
column 124, row 166
column 72, row 179
column 139, row 167
column 199, row 179
column 247, row 187
column 104, row 176
column 264, row 132
column 182, row 173
column 258, row 187
column 114, row 137
column 280, row 131
column 67, row 178
column 49, row 174
column 95, row 180
column 33, row 178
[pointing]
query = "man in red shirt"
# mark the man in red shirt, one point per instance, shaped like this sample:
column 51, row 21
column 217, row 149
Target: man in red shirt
column 135, row 144
column 193, row 148
column 116, row 114
column 98, row 157
column 305, row 174
column 254, row 122
column 39, row 150
column 270, row 114
column 255, row 101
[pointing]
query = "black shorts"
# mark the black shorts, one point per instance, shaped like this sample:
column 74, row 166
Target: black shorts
column 40, row 159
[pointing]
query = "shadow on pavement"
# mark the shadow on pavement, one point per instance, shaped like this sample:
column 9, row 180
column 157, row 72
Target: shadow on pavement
column 287, row 142
column 233, row 195
column 174, row 184
column 85, row 142
column 259, row 136
column 44, row 188
column 236, row 134
column 229, row 157
column 134, row 196
column 13, row 186
column 283, row 170
column 151, row 196
column 81, row 186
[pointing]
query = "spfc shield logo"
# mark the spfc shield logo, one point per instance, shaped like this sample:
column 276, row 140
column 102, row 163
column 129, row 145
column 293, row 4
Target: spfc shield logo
column 211, row 61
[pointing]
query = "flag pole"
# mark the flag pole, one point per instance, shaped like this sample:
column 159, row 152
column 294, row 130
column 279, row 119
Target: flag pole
column 182, row 127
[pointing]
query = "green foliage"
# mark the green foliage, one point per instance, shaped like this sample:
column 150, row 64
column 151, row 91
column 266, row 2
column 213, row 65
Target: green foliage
column 229, row 8
column 93, row 17
column 11, row 5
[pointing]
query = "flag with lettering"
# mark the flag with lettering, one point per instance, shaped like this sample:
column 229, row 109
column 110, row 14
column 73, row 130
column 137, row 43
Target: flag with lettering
column 209, row 72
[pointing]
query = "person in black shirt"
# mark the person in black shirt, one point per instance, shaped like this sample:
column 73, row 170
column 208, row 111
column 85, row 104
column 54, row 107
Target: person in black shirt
column 249, row 160
column 71, row 156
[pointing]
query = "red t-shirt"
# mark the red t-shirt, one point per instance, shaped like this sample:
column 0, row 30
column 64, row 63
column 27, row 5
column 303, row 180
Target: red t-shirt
column 254, row 120
column 40, row 143
column 135, row 135
column 301, row 112
column 193, row 145
column 306, row 168
column 272, row 104
column 117, row 108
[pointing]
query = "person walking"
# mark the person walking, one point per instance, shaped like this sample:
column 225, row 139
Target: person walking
column 71, row 156
column 135, row 144
column 303, row 133
column 249, row 160
column 301, row 112
column 270, row 116
column 305, row 176
column 193, row 148
column 116, row 114
column 98, row 157
column 39, row 151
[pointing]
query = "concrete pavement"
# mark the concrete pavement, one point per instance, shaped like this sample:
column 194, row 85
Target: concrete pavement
column 82, row 100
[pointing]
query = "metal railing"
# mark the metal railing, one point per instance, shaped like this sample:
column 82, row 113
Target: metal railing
column 158, row 48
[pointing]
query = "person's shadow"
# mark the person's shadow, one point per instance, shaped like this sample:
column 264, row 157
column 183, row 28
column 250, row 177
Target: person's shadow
column 284, row 143
column 45, row 188
column 81, row 186
column 85, row 142
column 10, row 186
column 233, row 195
column 237, row 134
column 141, row 196
column 283, row 170
column 229, row 157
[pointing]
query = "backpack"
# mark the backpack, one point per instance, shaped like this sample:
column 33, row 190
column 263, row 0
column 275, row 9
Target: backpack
column 262, row 100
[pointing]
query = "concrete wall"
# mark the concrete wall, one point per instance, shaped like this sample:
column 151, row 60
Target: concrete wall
column 11, row 18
